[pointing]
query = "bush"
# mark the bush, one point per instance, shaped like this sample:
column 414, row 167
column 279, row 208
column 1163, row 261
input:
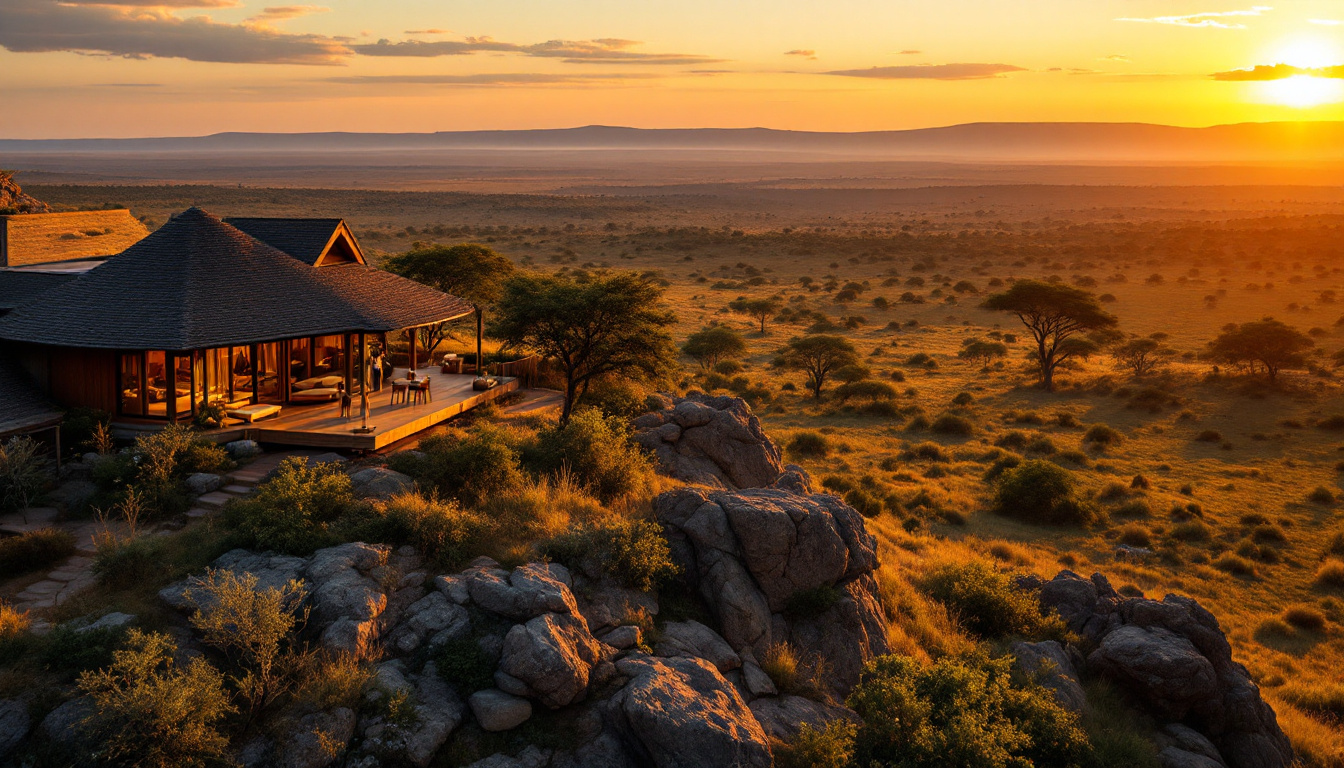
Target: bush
column 79, row 425
column 952, row 424
column 120, row 564
column 469, row 468
column 150, row 712
column 1234, row 564
column 632, row 552
column 598, row 451
column 868, row 389
column 809, row 444
column 1101, row 435
column 926, row 451
column 962, row 399
column 810, row 603
column 1191, row 530
column 204, row 456
column 828, row 747
column 1041, row 492
column 23, row 473
column 68, row 651
column 1209, row 436
column 34, row 550
column 616, row 396
column 445, row 533
column 1321, row 495
column 985, row 601
column 962, row 712
column 1331, row 574
column 1134, row 509
column 1304, row 617
column 297, row 511
column 462, row 662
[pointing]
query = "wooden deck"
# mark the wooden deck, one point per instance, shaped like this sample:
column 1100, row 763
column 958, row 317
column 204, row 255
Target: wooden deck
column 319, row 426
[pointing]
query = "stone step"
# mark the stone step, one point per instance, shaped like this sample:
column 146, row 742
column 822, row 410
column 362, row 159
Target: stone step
column 200, row 512
column 238, row 490
column 214, row 498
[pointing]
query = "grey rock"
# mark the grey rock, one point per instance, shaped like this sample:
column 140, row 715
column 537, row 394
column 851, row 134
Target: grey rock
column 694, row 640
column 784, row 716
column 1049, row 664
column 62, row 724
column 716, row 441
column 305, row 747
column 272, row 572
column 1162, row 667
column 438, row 712
column 346, row 597
column 757, row 682
column 432, row 615
column 611, row 606
column 73, row 495
column 532, row 756
column 255, row 753
column 678, row 712
column 552, row 655
column 204, row 482
column 1171, row 757
column 622, row 638
column 380, row 483
column 243, row 449
column 112, row 620
column 455, row 587
column 14, row 725
column 1186, row 739
column 530, row 590
column 496, row 710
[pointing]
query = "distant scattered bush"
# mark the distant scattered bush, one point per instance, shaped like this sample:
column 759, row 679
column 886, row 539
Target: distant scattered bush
column 809, row 444
column 962, row 399
column 1321, row 495
column 1191, row 530
column 1305, row 617
column 952, row 424
column 1102, row 435
column 926, row 451
column 865, row 390
column 34, row 550
column 1133, row 509
column 1234, row 564
column 1041, row 492
column 1209, row 436
column 1331, row 574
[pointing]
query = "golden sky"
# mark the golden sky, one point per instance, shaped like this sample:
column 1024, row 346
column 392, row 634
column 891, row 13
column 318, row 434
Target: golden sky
column 81, row 68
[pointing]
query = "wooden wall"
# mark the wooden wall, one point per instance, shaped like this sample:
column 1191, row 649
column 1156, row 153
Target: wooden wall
column 40, row 238
column 74, row 377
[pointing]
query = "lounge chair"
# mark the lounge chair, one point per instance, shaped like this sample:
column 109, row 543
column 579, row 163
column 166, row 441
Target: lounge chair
column 250, row 413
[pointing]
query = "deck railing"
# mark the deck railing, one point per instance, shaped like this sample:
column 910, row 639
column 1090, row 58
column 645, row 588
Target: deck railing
column 525, row 370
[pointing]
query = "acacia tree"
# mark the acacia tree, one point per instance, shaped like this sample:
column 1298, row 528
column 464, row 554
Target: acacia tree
column 984, row 352
column 1058, row 317
column 607, row 323
column 818, row 356
column 470, row 271
column 757, row 309
column 1141, row 356
column 710, row 346
column 1266, row 343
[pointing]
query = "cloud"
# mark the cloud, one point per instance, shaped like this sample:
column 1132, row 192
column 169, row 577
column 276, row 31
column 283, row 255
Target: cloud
column 427, row 32
column 1264, row 72
column 1326, row 22
column 600, row 51
column 1120, row 57
column 931, row 72
column 502, row 78
column 1214, row 20
column 37, row 26
column 908, row 53
column 285, row 12
column 806, row 53
column 156, row 3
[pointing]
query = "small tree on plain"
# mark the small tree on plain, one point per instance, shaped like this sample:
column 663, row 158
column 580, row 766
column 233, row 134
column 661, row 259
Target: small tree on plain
column 711, row 346
column 759, row 310
column 983, row 352
column 1059, row 318
column 1267, row 344
column 818, row 356
column 1141, row 356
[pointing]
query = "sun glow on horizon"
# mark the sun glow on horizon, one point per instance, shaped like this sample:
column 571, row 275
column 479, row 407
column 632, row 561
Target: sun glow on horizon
column 1304, row 91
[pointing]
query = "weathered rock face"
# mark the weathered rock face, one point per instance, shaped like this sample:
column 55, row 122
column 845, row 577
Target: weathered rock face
column 380, row 483
column 307, row 746
column 783, row 717
column 750, row 553
column 1174, row 659
column 679, row 712
column 13, row 199
column 549, row 658
column 1054, row 668
column 715, row 441
column 14, row 725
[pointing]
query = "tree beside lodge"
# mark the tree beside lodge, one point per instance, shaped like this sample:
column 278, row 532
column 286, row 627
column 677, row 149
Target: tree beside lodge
column 210, row 311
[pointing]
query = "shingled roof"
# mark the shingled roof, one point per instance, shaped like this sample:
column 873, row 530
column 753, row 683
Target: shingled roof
column 18, row 287
column 197, row 283
column 22, row 407
column 304, row 239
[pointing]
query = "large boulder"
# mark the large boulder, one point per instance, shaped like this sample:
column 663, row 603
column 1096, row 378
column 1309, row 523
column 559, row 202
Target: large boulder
column 14, row 725
column 347, row 595
column 272, row 572
column 549, row 658
column 1172, row 657
column 380, row 483
column 783, row 717
column 679, row 713
column 752, row 554
column 694, row 640
column 496, row 710
column 529, row 591
column 1049, row 664
column 311, row 742
column 715, row 441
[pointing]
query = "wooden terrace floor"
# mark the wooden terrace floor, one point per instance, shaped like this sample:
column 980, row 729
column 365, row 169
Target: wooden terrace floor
column 320, row 426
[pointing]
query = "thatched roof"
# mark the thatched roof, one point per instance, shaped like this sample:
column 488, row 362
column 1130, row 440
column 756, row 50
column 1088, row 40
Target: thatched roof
column 198, row 282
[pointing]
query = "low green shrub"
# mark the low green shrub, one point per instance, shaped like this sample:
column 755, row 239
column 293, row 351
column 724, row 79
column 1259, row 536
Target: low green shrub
column 444, row 532
column 1102, row 435
column 468, row 468
column 810, row 603
column 298, row 510
column 1331, row 575
column 632, row 552
column 462, row 662
column 952, row 424
column 68, row 651
column 34, row 550
column 925, row 451
column 831, row 746
column 598, row 452
column 986, row 602
column 120, row 564
column 1041, row 492
column 866, row 389
column 809, row 444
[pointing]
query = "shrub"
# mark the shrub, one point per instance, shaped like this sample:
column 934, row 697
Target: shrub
column 462, row 662
column 1234, row 564
column 1209, row 436
column 1321, row 495
column 34, row 550
column 926, row 451
column 963, row 712
column 1191, row 530
column 809, row 444
column 15, row 640
column 469, row 468
column 1075, row 457
column 1101, row 435
column 830, row 746
column 23, row 473
column 297, row 510
column 985, row 600
column 1067, row 420
column 1304, row 617
column 444, row 532
column 1332, row 423
column 617, row 397
column 918, row 423
column 149, row 711
column 632, row 552
column 1042, row 492
column 79, row 426
column 1140, row 483
column 962, row 399
column 1013, row 439
column 204, row 456
column 1042, row 445
column 123, row 563
column 1136, row 508
column 952, row 424
column 868, row 389
column 810, row 603
column 1331, row 574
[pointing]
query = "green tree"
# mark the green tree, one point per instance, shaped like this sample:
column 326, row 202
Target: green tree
column 712, row 345
column 607, row 323
column 1267, row 344
column 818, row 356
column 1058, row 317
column 983, row 352
column 759, row 310
column 470, row 271
column 1141, row 356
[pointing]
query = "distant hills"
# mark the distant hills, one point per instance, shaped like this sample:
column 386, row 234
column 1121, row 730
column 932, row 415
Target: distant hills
column 1115, row 142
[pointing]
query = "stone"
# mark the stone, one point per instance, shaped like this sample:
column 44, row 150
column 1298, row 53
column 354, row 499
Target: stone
column 622, row 638
column 677, row 712
column 496, row 710
column 757, row 682
column 1162, row 667
column 380, row 483
column 307, row 745
column 14, row 725
column 694, row 640
column 1182, row 738
column 243, row 449
column 530, row 590
column 62, row 724
column 783, row 717
column 1049, row 664
column 345, row 597
column 532, row 756
column 73, row 495
column 272, row 572
column 611, row 606
column 112, row 620
column 1171, row 757
column 552, row 655
column 203, row 482
column 454, row 587
column 438, row 712
column 716, row 441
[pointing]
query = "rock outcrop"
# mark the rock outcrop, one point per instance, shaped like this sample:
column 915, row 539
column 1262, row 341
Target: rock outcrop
column 777, row 566
column 1175, row 661
column 714, row 441
column 15, row 200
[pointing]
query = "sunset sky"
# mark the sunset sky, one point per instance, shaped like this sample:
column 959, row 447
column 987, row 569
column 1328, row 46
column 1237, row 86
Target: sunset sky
column 80, row 68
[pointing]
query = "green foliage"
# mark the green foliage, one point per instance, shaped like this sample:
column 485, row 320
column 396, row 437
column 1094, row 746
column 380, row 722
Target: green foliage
column 759, row 309
column 818, row 356
column 952, row 424
column 68, row 651
column 120, row 564
column 297, row 510
column 209, row 416
column 471, row 271
column 632, row 552
column 1262, row 344
column 865, row 390
column 204, row 456
column 831, row 746
column 593, row 326
column 810, row 603
column 34, row 550
column 442, row 531
column 23, row 473
column 1057, row 316
column 809, row 444
column 150, row 712
column 986, row 602
column 1039, row 491
column 983, row 352
column 79, row 425
column 469, row 468
column 597, row 450
column 960, row 712
column 616, row 397
column 462, row 662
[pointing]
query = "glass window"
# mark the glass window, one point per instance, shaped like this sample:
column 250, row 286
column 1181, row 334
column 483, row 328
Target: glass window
column 132, row 386
column 158, row 384
column 299, row 370
column 329, row 356
column 182, row 399
column 268, row 373
column 217, row 375
column 242, row 373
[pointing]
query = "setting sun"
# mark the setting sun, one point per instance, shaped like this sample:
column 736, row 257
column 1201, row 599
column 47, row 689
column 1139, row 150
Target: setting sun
column 1302, row 91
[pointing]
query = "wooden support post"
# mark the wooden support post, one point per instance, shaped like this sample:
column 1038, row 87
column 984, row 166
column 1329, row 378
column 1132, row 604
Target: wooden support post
column 480, row 333
column 411, row 332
